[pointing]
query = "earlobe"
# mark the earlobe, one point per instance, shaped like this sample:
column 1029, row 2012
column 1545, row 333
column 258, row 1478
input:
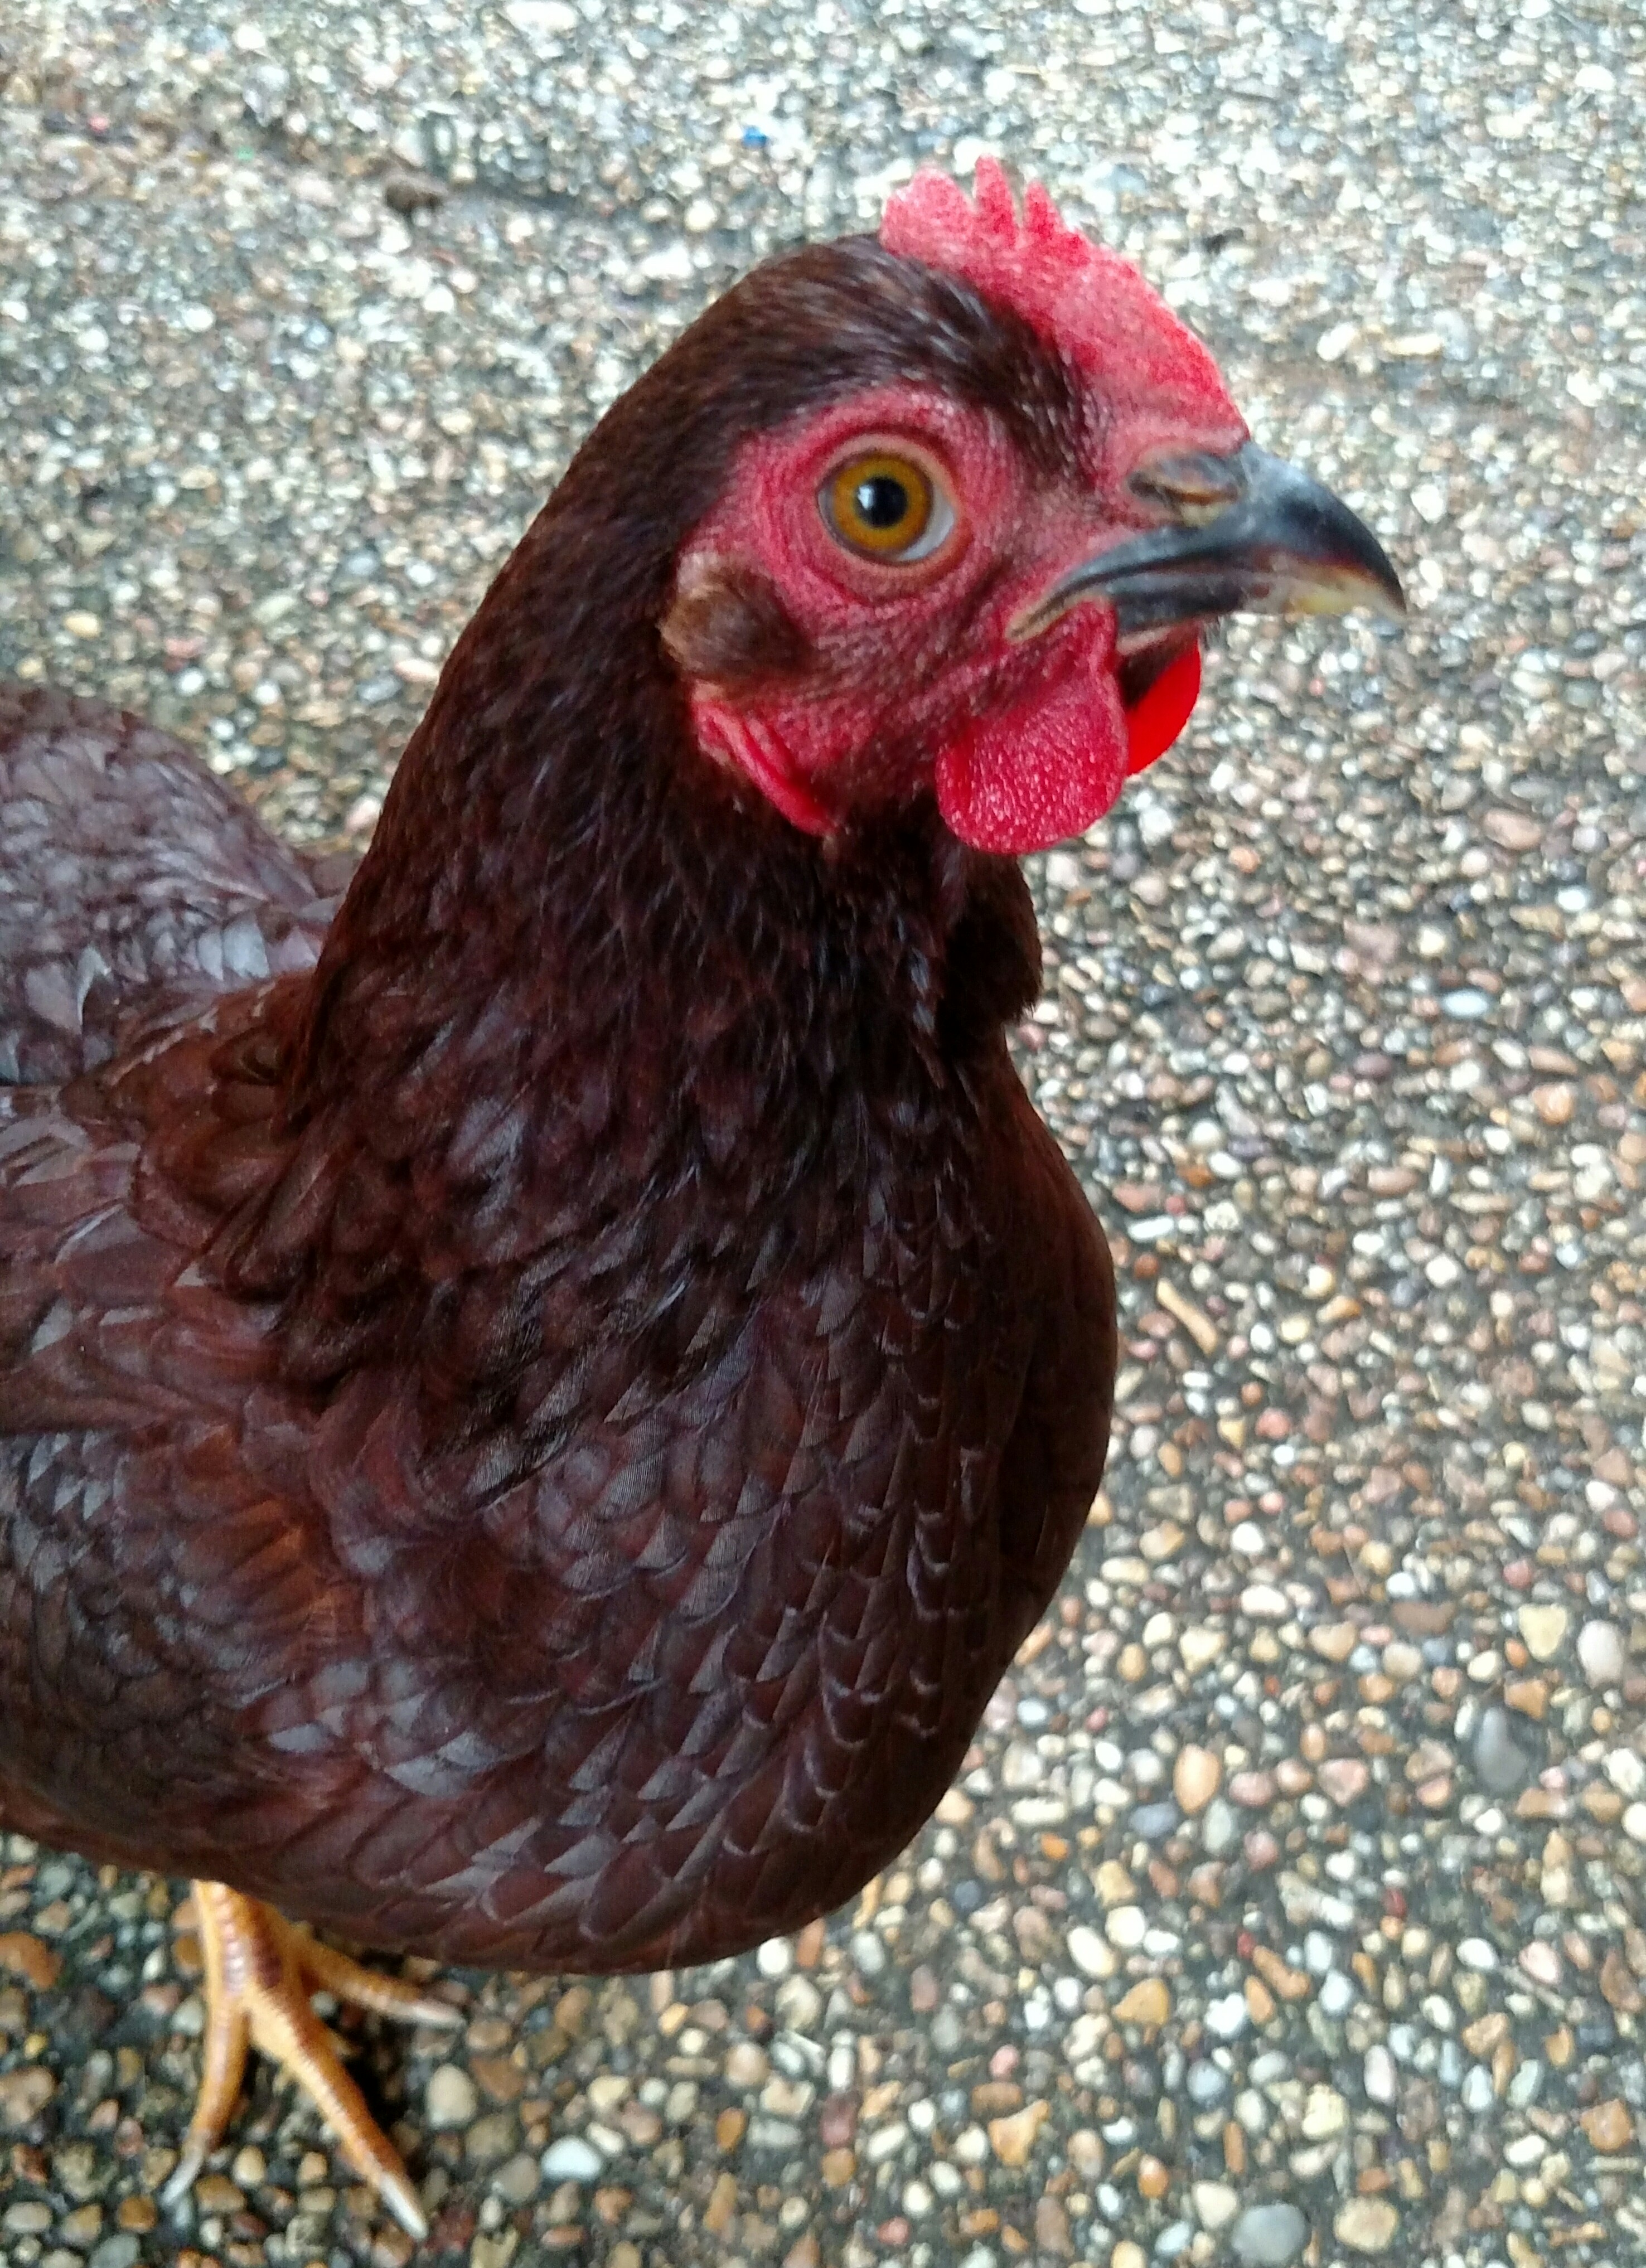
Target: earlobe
column 727, row 626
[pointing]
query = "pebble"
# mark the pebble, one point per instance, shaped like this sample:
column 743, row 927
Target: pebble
column 1220, row 1829
column 1466, row 1005
column 1195, row 1776
column 24, row 2095
column 451, row 2098
column 1199, row 1325
column 1500, row 1763
column 747, row 2064
column 1528, row 1696
column 1540, row 1962
column 1366, row 2224
column 1227, row 2017
column 516, row 2180
column 1337, row 1994
column 1600, row 1653
column 1344, row 1778
column 1200, row 1646
column 1258, row 2000
column 1089, row 1953
column 1609, row 2126
column 23, row 1954
column 120, row 2250
column 1013, row 2137
column 1149, row 2002
column 1125, row 1927
column 1334, row 1641
column 1380, row 2080
column 1215, row 2204
column 1325, row 2113
column 1114, row 1885
column 1269, row 2236
column 1155, row 1822
column 1544, row 1630
column 1052, row 2227
column 570, row 2159
column 1513, row 831
column 1263, row 1603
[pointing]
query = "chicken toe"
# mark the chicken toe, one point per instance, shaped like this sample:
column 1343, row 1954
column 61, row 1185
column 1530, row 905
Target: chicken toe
column 260, row 1970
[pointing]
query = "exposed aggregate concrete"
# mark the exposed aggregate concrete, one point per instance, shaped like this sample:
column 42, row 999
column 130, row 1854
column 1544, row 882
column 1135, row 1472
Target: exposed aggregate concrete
column 1289, row 1906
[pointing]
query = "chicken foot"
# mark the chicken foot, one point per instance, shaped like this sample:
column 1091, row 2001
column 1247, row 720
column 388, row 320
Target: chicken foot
column 260, row 1971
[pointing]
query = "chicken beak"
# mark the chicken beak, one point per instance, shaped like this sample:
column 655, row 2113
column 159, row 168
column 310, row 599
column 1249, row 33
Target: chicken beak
column 1254, row 536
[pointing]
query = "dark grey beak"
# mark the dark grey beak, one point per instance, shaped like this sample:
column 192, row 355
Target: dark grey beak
column 1255, row 537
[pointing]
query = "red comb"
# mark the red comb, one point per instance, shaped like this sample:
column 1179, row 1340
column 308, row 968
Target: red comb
column 1078, row 296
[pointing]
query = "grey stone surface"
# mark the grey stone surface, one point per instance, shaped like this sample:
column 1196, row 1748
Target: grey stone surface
column 301, row 310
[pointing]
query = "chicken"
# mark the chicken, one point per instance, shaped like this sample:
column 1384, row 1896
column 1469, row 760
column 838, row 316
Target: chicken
column 539, row 1402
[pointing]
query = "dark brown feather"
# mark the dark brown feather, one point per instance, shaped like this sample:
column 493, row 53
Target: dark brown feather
column 535, row 1439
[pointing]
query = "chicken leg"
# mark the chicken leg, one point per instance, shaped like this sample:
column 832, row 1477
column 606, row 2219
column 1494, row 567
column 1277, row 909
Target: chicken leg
column 260, row 1972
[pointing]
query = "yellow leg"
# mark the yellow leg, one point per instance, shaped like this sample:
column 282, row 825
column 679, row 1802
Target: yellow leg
column 260, row 1972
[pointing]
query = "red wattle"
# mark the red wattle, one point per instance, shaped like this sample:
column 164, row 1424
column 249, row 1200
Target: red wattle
column 1154, row 722
column 1040, row 773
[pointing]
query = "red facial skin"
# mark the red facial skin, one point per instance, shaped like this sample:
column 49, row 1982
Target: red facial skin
column 913, row 672
column 913, row 675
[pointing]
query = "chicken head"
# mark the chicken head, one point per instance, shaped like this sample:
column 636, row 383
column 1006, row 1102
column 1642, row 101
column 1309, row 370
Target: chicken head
column 996, row 596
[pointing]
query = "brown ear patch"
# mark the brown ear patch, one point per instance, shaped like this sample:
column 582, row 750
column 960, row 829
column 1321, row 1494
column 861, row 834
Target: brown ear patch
column 727, row 626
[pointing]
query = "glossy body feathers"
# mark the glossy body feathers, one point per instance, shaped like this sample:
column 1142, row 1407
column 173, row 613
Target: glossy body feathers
column 532, row 1426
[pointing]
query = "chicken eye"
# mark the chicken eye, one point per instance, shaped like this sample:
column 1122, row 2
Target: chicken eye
column 885, row 507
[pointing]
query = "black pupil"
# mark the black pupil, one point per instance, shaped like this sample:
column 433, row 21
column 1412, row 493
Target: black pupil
column 881, row 501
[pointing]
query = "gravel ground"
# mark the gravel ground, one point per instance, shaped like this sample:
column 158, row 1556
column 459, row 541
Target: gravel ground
column 1290, row 1905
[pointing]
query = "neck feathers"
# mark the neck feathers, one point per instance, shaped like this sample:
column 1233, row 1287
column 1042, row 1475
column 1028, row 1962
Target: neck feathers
column 586, row 985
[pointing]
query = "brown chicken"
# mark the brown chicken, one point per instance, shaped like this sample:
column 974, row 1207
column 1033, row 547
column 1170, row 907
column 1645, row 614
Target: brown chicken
column 539, row 1402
